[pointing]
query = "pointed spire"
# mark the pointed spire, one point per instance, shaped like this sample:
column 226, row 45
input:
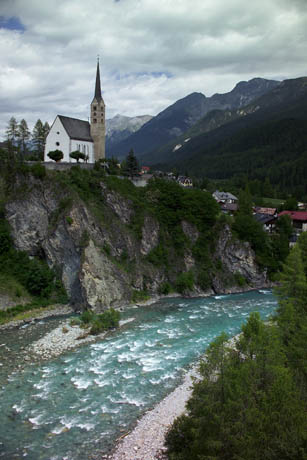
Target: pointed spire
column 98, row 96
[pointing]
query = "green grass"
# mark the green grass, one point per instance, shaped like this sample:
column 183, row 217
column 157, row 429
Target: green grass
column 23, row 311
column 275, row 202
column 12, row 288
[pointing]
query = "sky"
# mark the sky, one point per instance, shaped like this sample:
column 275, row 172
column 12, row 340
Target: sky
column 152, row 52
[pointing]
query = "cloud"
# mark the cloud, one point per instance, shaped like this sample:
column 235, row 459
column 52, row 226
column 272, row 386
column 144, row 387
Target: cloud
column 151, row 54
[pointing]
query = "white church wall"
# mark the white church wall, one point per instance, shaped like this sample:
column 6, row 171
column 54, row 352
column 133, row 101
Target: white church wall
column 57, row 139
column 83, row 147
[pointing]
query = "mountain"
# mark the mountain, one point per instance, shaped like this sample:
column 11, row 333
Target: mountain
column 266, row 138
column 120, row 127
column 183, row 114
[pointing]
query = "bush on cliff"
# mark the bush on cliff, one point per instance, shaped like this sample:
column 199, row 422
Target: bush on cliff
column 33, row 274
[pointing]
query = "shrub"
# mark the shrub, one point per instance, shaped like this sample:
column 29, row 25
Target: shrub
column 240, row 279
column 106, row 248
column 158, row 256
column 106, row 320
column 185, row 282
column 165, row 288
column 55, row 155
column 204, row 280
column 76, row 155
column 85, row 238
column 139, row 296
column 38, row 171
column 69, row 220
column 87, row 316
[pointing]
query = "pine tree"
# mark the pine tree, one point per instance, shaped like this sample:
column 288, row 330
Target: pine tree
column 131, row 167
column 46, row 129
column 23, row 135
column 38, row 137
column 12, row 131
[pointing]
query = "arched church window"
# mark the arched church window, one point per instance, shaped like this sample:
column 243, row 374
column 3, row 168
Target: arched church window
column 57, row 143
column 95, row 120
column 94, row 108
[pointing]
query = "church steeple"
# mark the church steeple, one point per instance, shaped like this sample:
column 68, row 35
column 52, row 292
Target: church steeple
column 97, row 86
column 98, row 127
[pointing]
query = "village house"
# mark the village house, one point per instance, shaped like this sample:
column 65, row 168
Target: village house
column 298, row 218
column 145, row 170
column 184, row 181
column 229, row 208
column 266, row 216
column 224, row 197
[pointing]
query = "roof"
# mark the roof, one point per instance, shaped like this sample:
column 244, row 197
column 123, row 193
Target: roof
column 264, row 218
column 295, row 215
column 224, row 196
column 77, row 129
column 269, row 211
column 229, row 207
column 97, row 95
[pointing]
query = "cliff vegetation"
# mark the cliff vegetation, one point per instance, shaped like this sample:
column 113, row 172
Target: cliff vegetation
column 109, row 242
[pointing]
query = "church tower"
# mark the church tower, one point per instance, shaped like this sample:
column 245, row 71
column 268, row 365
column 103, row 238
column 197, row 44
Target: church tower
column 98, row 127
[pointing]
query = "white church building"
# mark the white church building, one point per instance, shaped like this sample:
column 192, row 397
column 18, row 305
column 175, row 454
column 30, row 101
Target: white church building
column 70, row 134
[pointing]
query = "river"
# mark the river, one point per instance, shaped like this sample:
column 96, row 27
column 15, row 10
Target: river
column 76, row 406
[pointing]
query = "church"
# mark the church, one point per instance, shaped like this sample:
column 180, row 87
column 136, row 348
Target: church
column 70, row 134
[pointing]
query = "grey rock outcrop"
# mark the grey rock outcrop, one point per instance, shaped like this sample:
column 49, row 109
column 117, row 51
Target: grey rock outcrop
column 237, row 258
column 100, row 259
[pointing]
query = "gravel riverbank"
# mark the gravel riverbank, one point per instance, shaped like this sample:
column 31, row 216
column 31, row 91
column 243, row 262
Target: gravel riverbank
column 146, row 440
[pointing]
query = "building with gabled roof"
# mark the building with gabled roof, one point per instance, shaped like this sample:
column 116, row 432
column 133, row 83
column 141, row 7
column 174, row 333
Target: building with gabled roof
column 70, row 134
column 299, row 219
column 224, row 197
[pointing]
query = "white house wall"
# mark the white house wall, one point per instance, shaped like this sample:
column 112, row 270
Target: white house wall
column 58, row 139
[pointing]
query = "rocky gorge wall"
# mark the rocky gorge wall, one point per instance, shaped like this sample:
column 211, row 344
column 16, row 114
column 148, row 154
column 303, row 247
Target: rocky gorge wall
column 101, row 260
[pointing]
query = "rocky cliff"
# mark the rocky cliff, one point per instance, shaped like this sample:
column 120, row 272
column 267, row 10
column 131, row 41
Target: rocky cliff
column 99, row 257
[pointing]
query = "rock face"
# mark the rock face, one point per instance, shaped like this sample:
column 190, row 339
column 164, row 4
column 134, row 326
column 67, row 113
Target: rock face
column 237, row 258
column 100, row 259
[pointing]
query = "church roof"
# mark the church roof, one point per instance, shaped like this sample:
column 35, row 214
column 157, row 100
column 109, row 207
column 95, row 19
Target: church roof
column 77, row 129
column 98, row 96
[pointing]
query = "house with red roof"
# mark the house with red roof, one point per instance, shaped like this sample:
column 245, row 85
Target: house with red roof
column 299, row 219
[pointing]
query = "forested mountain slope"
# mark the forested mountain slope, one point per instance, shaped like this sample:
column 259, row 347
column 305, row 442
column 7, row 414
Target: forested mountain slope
column 180, row 116
column 266, row 138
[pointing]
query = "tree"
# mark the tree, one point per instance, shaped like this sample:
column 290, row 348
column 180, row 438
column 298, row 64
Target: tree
column 131, row 167
column 292, row 311
column 290, row 204
column 23, row 135
column 38, row 137
column 245, row 405
column 56, row 155
column 46, row 128
column 12, row 131
column 77, row 155
column 302, row 242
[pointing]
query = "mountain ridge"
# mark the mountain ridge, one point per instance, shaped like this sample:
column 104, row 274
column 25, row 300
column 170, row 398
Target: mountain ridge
column 184, row 113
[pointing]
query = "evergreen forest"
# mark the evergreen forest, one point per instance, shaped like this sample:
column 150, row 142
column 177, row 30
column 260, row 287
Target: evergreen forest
column 249, row 401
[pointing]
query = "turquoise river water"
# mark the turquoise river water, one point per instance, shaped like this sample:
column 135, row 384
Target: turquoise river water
column 74, row 407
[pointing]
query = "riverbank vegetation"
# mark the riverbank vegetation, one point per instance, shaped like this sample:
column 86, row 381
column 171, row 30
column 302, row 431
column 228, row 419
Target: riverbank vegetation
column 251, row 399
column 97, row 323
